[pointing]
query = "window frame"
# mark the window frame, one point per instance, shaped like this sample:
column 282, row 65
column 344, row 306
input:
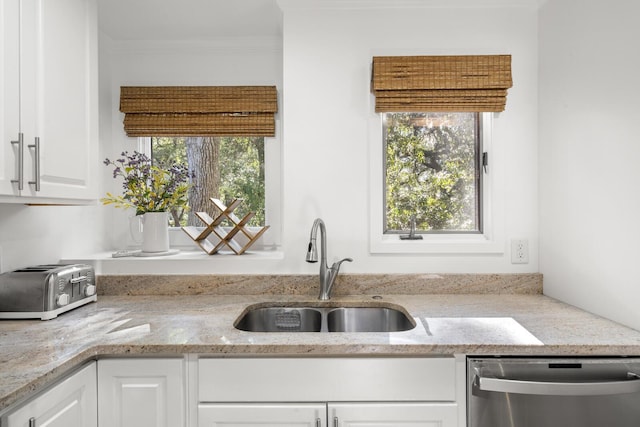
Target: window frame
column 271, row 240
column 489, row 241
column 478, row 148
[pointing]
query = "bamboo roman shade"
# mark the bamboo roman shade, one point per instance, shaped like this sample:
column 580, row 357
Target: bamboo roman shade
column 474, row 83
column 199, row 110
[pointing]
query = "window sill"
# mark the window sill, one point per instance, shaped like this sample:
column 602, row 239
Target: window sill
column 436, row 244
column 185, row 261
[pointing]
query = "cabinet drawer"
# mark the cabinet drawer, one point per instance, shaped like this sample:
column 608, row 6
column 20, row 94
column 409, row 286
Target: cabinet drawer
column 326, row 379
column 262, row 415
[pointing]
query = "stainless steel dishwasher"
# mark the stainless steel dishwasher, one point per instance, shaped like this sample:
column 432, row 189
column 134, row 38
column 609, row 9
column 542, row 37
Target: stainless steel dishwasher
column 562, row 392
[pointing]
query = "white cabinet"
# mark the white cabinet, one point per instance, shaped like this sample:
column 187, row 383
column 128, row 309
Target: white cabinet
column 141, row 393
column 51, row 99
column 336, row 392
column 263, row 415
column 379, row 414
column 393, row 414
column 251, row 392
column 352, row 379
column 70, row 403
column 9, row 95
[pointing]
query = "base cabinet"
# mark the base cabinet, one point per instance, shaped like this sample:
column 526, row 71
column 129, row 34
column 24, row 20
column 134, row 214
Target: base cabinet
column 141, row 393
column 328, row 392
column 393, row 414
column 70, row 403
column 378, row 414
column 262, row 415
column 193, row 391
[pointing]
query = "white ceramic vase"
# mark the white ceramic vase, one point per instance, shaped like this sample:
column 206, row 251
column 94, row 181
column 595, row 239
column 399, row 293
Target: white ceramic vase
column 155, row 232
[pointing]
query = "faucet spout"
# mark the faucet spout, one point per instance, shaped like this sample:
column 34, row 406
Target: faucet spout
column 327, row 275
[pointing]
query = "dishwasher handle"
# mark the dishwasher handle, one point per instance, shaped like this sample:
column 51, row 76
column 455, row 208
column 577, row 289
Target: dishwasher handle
column 596, row 388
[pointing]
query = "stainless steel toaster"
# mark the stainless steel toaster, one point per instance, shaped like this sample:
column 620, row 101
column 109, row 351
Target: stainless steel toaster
column 44, row 291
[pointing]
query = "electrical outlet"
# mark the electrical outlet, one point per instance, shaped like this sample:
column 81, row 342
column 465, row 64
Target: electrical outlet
column 519, row 251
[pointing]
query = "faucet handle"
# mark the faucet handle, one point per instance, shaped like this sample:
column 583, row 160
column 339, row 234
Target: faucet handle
column 336, row 265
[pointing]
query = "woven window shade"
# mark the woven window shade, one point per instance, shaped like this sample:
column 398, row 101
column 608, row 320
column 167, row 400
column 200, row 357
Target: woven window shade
column 199, row 110
column 441, row 83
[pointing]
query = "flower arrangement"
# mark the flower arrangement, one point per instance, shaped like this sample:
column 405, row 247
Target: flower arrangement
column 148, row 188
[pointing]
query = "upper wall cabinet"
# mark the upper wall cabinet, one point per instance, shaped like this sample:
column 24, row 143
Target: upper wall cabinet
column 49, row 102
column 9, row 96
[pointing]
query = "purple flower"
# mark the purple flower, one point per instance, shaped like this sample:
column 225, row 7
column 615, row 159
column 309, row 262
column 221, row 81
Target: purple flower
column 146, row 187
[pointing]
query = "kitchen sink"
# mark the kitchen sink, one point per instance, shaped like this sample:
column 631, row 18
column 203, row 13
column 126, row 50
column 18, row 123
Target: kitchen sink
column 324, row 319
column 281, row 319
column 368, row 319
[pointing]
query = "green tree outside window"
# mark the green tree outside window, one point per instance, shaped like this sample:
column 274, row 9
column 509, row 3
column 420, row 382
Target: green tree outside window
column 432, row 171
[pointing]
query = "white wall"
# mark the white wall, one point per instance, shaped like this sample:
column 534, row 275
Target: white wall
column 589, row 151
column 31, row 235
column 321, row 68
column 327, row 113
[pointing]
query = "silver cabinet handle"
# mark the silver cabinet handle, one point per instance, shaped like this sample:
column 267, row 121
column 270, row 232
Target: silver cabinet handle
column 36, row 148
column 335, row 422
column 20, row 178
column 32, row 422
column 559, row 388
column 318, row 422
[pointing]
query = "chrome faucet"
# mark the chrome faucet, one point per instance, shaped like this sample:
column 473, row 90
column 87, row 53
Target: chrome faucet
column 327, row 275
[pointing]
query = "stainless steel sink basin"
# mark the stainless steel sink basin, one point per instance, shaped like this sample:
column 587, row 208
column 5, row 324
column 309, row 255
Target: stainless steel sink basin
column 281, row 319
column 324, row 319
column 368, row 319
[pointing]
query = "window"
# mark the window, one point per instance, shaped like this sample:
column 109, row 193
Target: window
column 488, row 238
column 431, row 169
column 224, row 168
column 227, row 137
column 432, row 172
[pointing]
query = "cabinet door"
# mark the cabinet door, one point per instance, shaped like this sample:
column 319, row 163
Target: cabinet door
column 262, row 415
column 393, row 414
column 58, row 70
column 141, row 393
column 9, row 95
column 72, row 403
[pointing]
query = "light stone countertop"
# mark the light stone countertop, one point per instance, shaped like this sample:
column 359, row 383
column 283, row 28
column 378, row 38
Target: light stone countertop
column 33, row 353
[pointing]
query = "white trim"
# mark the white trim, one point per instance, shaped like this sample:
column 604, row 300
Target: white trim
column 189, row 260
column 273, row 188
column 407, row 4
column 491, row 241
